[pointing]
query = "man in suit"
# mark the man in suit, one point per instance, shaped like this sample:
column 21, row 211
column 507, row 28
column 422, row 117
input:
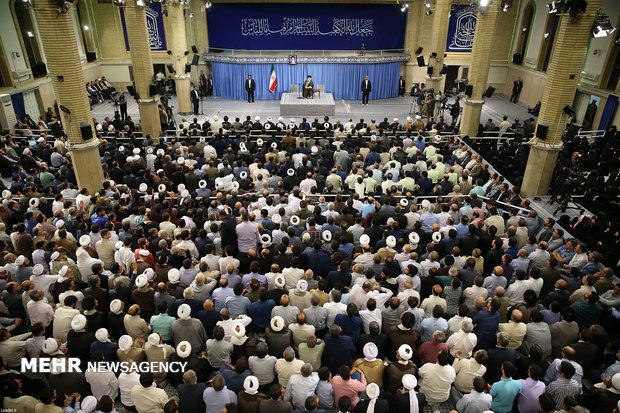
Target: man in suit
column 163, row 118
column 210, row 85
column 308, row 89
column 516, row 90
column 250, row 86
column 122, row 103
column 202, row 81
column 401, row 86
column 195, row 99
column 366, row 89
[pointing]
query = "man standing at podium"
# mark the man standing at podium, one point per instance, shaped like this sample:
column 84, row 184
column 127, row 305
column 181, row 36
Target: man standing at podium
column 250, row 86
column 308, row 89
column 366, row 89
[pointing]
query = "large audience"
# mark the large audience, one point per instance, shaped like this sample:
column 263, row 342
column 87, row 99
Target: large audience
column 298, row 266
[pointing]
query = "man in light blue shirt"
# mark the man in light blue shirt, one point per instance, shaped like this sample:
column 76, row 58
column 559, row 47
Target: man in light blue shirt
column 162, row 323
column 218, row 396
column 428, row 219
column 476, row 401
column 238, row 304
column 220, row 295
column 429, row 325
column 505, row 390
column 300, row 386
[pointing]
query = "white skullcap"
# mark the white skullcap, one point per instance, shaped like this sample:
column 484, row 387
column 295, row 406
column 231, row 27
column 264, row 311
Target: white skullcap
column 6, row 194
column 141, row 281
column 410, row 383
column 118, row 245
column 19, row 261
column 149, row 150
column 395, row 120
column 89, row 404
column 102, row 335
column 418, row 117
column 143, row 187
column 372, row 390
column 150, row 274
column 405, row 352
column 63, row 271
column 425, row 203
column 370, row 351
column 60, row 223
column 250, row 385
column 174, row 275
column 216, row 117
column 26, row 151
column 154, row 339
column 50, row 346
column 84, row 240
column 40, row 140
column 55, row 256
column 238, row 330
column 184, row 311
column 136, row 151
column 116, row 306
column 615, row 381
column 256, row 118
column 125, row 343
column 302, row 285
column 78, row 322
column 184, row 349
column 409, row 118
column 120, row 148
column 269, row 119
column 37, row 269
column 144, row 253
column 279, row 281
column 181, row 160
column 277, row 323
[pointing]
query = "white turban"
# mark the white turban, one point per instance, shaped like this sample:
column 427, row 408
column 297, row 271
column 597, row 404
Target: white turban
column 102, row 335
column 409, row 383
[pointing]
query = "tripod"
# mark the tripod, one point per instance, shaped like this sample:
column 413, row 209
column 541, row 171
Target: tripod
column 413, row 107
column 563, row 197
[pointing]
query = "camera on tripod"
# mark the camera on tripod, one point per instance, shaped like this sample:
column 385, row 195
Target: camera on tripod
column 114, row 96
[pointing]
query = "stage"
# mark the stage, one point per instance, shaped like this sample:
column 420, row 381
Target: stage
column 292, row 104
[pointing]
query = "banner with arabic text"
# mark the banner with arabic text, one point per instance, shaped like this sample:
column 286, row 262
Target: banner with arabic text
column 154, row 25
column 304, row 26
column 461, row 29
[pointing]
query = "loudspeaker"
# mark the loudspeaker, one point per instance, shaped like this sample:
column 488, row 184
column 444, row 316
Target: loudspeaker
column 170, row 67
column 421, row 61
column 153, row 89
column 461, row 86
column 489, row 92
column 433, row 54
column 39, row 69
column 469, row 90
column 195, row 60
column 568, row 110
column 444, row 70
column 188, row 67
column 131, row 89
column 419, row 50
column 429, row 70
column 56, row 128
column 541, row 131
column 194, row 48
column 91, row 56
column 517, row 58
column 86, row 131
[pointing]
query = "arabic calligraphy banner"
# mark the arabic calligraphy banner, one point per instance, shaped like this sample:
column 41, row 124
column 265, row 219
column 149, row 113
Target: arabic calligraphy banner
column 154, row 24
column 461, row 29
column 299, row 26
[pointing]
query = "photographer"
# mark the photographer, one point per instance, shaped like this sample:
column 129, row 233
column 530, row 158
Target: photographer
column 455, row 109
column 122, row 103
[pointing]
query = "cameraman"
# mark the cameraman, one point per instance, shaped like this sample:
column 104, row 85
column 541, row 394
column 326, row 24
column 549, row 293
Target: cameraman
column 122, row 103
column 455, row 109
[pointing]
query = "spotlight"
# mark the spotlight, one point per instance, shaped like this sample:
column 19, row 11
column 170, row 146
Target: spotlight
column 546, row 35
column 429, row 12
column 169, row 52
column 119, row 2
column 484, row 3
column 140, row 3
column 427, row 5
column 208, row 5
column 524, row 29
column 30, row 34
column 86, row 28
column 27, row 3
column 506, row 4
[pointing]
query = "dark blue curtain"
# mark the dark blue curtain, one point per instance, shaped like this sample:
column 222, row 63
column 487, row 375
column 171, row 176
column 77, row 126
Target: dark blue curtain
column 18, row 104
column 343, row 80
column 608, row 112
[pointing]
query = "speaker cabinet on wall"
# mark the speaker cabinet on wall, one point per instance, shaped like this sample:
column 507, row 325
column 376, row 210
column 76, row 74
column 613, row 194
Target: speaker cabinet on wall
column 188, row 67
column 461, row 86
column 131, row 89
column 469, row 90
column 195, row 60
column 421, row 61
column 568, row 110
column 152, row 89
column 194, row 49
column 444, row 70
column 517, row 58
column 91, row 56
column 433, row 54
column 39, row 69
column 86, row 131
column 541, row 131
column 429, row 70
column 419, row 50
column 489, row 92
column 170, row 67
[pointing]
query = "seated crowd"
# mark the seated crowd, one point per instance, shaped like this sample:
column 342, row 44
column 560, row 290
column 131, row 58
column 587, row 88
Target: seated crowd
column 321, row 271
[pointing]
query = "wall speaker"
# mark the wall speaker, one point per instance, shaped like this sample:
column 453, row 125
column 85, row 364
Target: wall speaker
column 433, row 54
column 429, row 70
column 444, row 70
column 131, row 89
column 86, row 130
column 39, row 69
column 56, row 128
column 469, row 90
column 568, row 110
column 541, row 131
column 517, row 58
column 195, row 60
column 91, row 56
column 188, row 67
column 170, row 67
column 153, row 89
column 461, row 85
column 421, row 61
column 194, row 49
column 489, row 92
column 419, row 50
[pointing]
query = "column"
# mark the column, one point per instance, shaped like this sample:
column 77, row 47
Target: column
column 569, row 53
column 142, row 64
column 65, row 68
column 176, row 23
column 415, row 14
column 486, row 27
column 438, row 43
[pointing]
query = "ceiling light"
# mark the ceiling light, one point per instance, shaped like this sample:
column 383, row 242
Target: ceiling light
column 208, row 5
column 86, row 27
column 140, row 3
column 427, row 5
column 524, row 29
column 546, row 35
column 30, row 34
column 484, row 3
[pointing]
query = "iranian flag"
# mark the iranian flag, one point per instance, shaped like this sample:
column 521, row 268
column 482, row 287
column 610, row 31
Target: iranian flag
column 273, row 80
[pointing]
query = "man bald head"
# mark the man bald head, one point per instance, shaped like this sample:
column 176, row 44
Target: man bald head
column 208, row 305
column 284, row 300
column 499, row 271
column 517, row 316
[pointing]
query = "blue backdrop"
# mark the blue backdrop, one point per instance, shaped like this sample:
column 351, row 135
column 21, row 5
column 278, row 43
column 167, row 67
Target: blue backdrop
column 154, row 25
column 461, row 29
column 298, row 26
column 344, row 80
column 18, row 104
